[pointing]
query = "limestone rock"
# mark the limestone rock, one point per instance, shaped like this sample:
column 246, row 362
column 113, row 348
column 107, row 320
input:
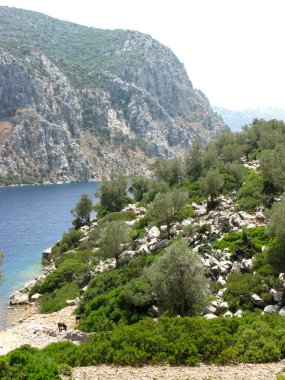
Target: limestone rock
column 154, row 232
column 271, row 309
column 257, row 300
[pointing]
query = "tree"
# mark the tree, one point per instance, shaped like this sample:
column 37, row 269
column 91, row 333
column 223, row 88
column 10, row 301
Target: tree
column 82, row 210
column 155, row 187
column 139, row 187
column 112, row 194
column 168, row 171
column 166, row 207
column 276, row 229
column 237, row 171
column 193, row 161
column 212, row 183
column 272, row 164
column 177, row 280
column 276, row 224
column 112, row 238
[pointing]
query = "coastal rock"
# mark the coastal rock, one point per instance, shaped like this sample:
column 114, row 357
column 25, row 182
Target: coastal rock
column 20, row 297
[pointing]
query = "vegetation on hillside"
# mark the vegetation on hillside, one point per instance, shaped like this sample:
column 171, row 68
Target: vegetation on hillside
column 147, row 305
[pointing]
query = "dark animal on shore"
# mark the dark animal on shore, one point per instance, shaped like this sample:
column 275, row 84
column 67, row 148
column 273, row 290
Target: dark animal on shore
column 77, row 318
column 61, row 326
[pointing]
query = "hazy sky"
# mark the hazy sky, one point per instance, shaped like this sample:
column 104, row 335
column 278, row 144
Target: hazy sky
column 233, row 50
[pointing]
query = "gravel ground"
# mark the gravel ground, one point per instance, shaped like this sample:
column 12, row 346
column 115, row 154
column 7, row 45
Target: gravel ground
column 203, row 372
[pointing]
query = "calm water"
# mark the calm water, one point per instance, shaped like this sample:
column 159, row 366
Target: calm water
column 32, row 218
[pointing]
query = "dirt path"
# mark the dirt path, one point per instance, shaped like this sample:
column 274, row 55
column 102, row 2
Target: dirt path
column 204, row 372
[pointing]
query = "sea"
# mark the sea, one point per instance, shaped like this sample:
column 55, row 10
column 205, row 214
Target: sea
column 32, row 219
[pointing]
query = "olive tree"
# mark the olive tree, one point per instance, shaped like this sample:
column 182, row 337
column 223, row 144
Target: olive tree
column 177, row 280
column 166, row 207
column 113, row 236
column 272, row 164
column 112, row 194
column 276, row 229
column 82, row 210
column 212, row 183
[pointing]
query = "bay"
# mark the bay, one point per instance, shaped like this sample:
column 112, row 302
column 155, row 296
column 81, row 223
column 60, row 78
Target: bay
column 32, row 218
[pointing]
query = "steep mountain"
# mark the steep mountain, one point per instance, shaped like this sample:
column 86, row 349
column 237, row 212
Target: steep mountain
column 78, row 102
column 236, row 119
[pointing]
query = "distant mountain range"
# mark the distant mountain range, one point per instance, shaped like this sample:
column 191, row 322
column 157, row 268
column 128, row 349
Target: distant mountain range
column 236, row 119
column 77, row 103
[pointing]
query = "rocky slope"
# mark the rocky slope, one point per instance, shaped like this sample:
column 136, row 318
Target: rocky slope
column 77, row 102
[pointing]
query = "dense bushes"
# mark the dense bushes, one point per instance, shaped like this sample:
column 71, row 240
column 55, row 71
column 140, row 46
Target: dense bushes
column 241, row 286
column 257, row 236
column 177, row 341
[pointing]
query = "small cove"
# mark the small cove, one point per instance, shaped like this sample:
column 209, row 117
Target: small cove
column 32, row 218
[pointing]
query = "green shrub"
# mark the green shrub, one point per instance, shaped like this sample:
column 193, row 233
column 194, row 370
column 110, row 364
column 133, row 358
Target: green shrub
column 256, row 235
column 120, row 215
column 241, row 286
column 68, row 271
column 56, row 300
column 70, row 240
column 251, row 193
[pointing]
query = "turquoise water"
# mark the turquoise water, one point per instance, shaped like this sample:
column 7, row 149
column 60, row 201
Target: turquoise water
column 32, row 218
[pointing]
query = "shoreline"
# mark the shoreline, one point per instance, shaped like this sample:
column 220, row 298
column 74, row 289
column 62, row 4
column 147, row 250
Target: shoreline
column 39, row 329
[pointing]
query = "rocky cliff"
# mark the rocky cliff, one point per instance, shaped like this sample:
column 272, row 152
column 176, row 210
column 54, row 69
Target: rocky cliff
column 77, row 102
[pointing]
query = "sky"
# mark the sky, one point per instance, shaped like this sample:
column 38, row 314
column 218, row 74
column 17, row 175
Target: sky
column 233, row 50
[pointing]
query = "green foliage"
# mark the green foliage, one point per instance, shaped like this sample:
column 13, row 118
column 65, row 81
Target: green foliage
column 177, row 341
column 56, row 300
column 122, row 215
column 193, row 161
column 29, row 363
column 237, row 171
column 154, row 188
column 272, row 164
column 169, row 171
column 240, row 287
column 211, row 183
column 177, row 280
column 112, row 194
column 82, row 211
column 166, row 207
column 251, row 193
column 105, row 296
column 62, row 284
column 276, row 228
column 139, row 187
column 69, row 240
column 243, row 244
column 113, row 236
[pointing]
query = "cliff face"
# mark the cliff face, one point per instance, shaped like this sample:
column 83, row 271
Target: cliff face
column 41, row 119
column 77, row 103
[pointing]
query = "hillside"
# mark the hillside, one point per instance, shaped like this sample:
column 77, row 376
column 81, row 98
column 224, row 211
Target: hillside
column 78, row 102
column 237, row 119
column 188, row 271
